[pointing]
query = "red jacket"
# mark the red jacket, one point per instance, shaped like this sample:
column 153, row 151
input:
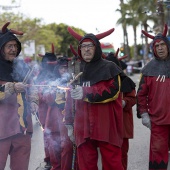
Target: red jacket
column 130, row 99
column 50, row 114
column 102, row 121
column 153, row 97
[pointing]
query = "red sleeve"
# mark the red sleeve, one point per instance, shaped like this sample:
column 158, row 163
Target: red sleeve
column 142, row 96
column 69, row 109
column 130, row 99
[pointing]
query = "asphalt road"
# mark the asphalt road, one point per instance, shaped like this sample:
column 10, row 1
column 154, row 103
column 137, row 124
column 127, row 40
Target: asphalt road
column 138, row 152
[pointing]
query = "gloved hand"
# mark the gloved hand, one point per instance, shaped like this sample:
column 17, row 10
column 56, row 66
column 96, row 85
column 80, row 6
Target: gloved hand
column 123, row 103
column 20, row 87
column 77, row 93
column 146, row 120
column 33, row 107
column 70, row 132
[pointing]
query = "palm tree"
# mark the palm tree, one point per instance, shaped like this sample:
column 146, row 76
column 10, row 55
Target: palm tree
column 145, row 14
column 123, row 22
column 132, row 20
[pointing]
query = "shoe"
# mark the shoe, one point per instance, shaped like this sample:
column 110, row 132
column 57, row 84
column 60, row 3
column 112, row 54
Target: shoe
column 47, row 166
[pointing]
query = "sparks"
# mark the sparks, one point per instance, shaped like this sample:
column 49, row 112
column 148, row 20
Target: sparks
column 63, row 88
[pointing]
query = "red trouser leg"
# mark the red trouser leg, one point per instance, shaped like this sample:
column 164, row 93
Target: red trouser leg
column 125, row 148
column 47, row 155
column 111, row 156
column 88, row 155
column 54, row 148
column 67, row 149
column 20, row 152
column 159, row 147
column 5, row 145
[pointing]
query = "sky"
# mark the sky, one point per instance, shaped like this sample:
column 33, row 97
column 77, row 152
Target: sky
column 92, row 16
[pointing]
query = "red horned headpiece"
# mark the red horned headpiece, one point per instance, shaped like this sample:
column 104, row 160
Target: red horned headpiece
column 52, row 50
column 75, row 53
column 4, row 30
column 98, row 36
column 51, row 58
column 116, row 54
column 7, row 35
column 121, row 58
column 152, row 37
column 73, row 50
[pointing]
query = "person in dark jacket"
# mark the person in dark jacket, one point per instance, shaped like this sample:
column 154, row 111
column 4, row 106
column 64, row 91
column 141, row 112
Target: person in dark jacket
column 16, row 104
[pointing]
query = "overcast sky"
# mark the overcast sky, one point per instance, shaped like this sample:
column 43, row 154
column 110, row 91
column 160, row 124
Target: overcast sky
column 88, row 15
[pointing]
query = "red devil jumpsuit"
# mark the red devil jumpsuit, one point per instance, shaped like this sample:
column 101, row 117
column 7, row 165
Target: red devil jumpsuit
column 153, row 97
column 58, row 147
column 98, row 125
column 130, row 99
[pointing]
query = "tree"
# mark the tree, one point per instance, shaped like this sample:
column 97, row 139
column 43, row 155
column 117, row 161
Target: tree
column 63, row 37
column 123, row 22
column 42, row 34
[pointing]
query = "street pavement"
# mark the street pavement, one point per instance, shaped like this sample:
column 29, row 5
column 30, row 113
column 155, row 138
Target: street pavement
column 138, row 151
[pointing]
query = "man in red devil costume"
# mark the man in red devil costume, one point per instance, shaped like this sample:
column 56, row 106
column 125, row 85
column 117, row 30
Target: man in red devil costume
column 98, row 121
column 128, row 101
column 15, row 102
column 153, row 100
column 58, row 147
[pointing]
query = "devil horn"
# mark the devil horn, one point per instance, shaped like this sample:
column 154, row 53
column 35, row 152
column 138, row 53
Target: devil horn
column 125, row 56
column 52, row 48
column 73, row 50
column 103, row 55
column 16, row 32
column 165, row 30
column 116, row 54
column 74, row 34
column 104, row 34
column 148, row 35
column 4, row 28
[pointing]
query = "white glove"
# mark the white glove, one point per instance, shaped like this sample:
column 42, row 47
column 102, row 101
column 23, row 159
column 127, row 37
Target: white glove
column 123, row 103
column 20, row 87
column 146, row 120
column 70, row 132
column 33, row 107
column 77, row 93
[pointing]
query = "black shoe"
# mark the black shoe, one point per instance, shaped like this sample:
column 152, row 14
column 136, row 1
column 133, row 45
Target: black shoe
column 47, row 166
